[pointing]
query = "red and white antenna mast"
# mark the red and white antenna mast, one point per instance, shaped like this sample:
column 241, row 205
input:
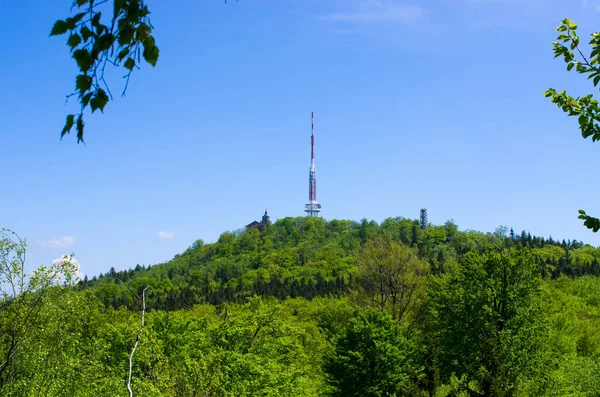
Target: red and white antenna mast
column 312, row 136
column 313, row 208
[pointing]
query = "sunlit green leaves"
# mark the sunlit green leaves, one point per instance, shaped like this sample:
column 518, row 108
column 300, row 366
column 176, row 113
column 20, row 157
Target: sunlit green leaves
column 372, row 358
column 585, row 108
column 23, row 305
column 589, row 221
column 486, row 319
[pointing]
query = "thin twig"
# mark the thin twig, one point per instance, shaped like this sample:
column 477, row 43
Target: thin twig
column 580, row 53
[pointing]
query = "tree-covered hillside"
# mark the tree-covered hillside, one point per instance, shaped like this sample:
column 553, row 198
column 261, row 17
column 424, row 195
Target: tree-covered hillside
column 309, row 257
column 307, row 307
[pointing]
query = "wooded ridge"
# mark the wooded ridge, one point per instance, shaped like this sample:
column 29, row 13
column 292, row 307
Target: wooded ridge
column 310, row 307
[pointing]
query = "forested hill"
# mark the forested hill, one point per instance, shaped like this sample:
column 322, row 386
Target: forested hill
column 390, row 310
column 310, row 257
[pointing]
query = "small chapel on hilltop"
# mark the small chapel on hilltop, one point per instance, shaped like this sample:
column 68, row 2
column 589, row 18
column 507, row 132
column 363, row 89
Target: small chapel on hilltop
column 266, row 219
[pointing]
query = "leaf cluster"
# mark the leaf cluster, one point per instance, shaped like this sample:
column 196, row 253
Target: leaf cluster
column 568, row 47
column 99, row 37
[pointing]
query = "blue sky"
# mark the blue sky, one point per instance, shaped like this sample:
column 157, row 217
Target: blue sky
column 434, row 104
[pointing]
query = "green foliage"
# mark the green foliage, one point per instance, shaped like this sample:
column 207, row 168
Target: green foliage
column 269, row 313
column 307, row 257
column 589, row 221
column 100, row 36
column 23, row 303
column 585, row 108
column 372, row 358
column 486, row 321
column 390, row 277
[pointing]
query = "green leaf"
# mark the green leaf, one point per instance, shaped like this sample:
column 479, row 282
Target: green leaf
column 86, row 33
column 119, row 6
column 71, row 22
column 126, row 35
column 94, row 104
column 144, row 31
column 129, row 64
column 96, row 20
column 74, row 40
column 102, row 99
column 85, row 100
column 83, row 58
column 105, row 41
column 151, row 51
column 79, row 16
column 99, row 101
column 591, row 222
column 123, row 53
column 83, row 82
column 80, row 125
column 68, row 125
column 60, row 27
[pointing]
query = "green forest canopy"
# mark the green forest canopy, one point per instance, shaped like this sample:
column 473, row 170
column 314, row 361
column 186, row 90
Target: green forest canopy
column 309, row 307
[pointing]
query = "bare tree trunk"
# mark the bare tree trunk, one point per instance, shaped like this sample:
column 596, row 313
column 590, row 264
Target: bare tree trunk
column 137, row 341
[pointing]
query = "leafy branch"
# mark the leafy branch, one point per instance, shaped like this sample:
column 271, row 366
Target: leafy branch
column 123, row 41
column 586, row 108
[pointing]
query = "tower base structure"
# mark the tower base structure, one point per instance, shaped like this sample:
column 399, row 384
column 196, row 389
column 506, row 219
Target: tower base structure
column 312, row 209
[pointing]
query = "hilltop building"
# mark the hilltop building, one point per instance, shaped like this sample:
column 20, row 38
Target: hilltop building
column 266, row 219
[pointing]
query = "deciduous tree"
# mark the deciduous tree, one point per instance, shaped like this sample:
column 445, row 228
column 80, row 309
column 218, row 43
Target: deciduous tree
column 372, row 358
column 486, row 321
column 390, row 276
column 22, row 298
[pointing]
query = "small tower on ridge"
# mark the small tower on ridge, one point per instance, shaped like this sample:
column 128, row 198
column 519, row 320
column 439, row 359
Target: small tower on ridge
column 423, row 221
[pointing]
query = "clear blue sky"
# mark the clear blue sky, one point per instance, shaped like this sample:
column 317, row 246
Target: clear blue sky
column 434, row 104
